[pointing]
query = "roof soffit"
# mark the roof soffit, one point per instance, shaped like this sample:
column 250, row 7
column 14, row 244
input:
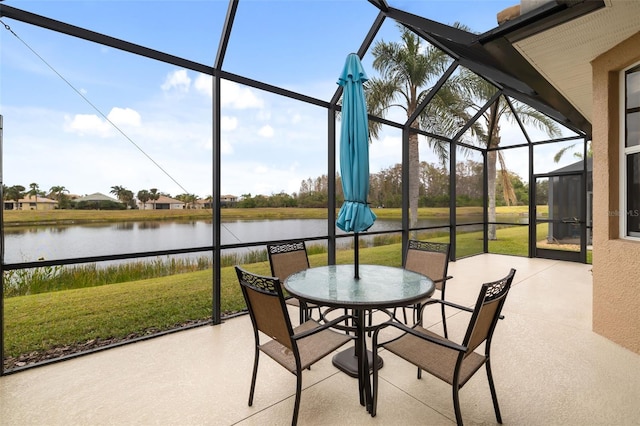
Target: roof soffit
column 563, row 54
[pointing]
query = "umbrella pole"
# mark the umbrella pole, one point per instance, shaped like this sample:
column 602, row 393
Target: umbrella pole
column 356, row 255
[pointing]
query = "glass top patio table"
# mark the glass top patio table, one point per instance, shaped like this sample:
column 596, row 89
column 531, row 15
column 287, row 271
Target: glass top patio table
column 377, row 286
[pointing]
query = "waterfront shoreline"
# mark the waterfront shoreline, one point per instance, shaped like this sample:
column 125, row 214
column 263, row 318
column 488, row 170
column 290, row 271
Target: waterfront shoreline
column 71, row 217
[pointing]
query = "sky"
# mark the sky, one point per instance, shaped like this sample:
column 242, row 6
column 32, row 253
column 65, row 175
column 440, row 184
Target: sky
column 88, row 117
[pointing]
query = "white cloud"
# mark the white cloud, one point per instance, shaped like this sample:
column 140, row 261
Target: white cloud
column 266, row 131
column 124, row 116
column 228, row 123
column 204, row 84
column 235, row 96
column 264, row 115
column 93, row 125
column 178, row 80
column 384, row 152
column 87, row 124
column 225, row 148
column 232, row 94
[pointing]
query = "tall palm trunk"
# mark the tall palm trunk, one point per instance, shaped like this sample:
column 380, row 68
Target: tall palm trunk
column 492, row 157
column 414, row 179
column 491, row 189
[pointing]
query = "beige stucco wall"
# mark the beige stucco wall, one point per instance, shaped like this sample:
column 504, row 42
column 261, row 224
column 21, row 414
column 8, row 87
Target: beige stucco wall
column 616, row 262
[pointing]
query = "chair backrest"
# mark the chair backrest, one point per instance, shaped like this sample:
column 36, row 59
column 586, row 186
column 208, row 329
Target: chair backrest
column 428, row 258
column 287, row 258
column 487, row 312
column 265, row 302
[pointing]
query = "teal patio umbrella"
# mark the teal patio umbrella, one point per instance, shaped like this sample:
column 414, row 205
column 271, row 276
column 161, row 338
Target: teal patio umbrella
column 355, row 215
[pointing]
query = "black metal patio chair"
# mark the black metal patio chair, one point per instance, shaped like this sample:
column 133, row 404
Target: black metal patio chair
column 293, row 348
column 454, row 363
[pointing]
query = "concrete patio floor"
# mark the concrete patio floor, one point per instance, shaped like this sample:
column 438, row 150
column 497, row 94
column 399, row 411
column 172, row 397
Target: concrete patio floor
column 549, row 369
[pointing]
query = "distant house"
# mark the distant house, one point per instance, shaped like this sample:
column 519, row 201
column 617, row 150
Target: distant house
column 31, row 203
column 228, row 200
column 225, row 201
column 96, row 196
column 203, row 204
column 97, row 201
column 162, row 203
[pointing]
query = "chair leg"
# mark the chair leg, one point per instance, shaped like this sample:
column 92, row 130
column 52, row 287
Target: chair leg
column 296, row 405
column 444, row 322
column 253, row 377
column 493, row 393
column 303, row 312
column 444, row 316
column 456, row 404
column 374, row 397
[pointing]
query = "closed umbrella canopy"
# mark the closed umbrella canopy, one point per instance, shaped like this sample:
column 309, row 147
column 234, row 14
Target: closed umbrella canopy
column 355, row 214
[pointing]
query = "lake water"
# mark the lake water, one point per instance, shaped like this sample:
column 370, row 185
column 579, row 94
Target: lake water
column 26, row 244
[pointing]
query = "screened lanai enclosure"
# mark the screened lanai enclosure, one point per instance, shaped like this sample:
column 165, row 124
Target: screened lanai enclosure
column 231, row 114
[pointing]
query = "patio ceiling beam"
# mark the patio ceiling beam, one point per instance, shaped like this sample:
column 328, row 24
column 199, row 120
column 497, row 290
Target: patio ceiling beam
column 544, row 142
column 432, row 27
column 366, row 43
column 272, row 89
column 226, row 33
column 74, row 31
column 380, row 4
column 493, row 57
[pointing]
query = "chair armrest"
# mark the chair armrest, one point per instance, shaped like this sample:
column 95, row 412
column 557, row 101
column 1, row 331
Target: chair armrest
column 441, row 341
column 451, row 304
column 439, row 280
column 324, row 326
column 447, row 303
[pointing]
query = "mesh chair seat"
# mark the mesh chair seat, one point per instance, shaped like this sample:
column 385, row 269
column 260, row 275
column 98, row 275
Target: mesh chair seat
column 441, row 360
column 312, row 348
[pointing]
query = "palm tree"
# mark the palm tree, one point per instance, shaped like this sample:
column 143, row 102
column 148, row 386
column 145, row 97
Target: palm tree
column 34, row 192
column 143, row 197
column 406, row 71
column 479, row 91
column 58, row 192
column 561, row 152
column 153, row 196
column 127, row 198
column 189, row 200
column 15, row 193
column 118, row 191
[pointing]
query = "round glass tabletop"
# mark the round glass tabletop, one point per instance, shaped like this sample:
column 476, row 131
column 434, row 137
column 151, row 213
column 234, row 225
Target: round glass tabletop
column 377, row 286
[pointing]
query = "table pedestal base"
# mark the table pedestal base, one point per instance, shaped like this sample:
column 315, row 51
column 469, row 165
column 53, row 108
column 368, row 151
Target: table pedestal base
column 347, row 361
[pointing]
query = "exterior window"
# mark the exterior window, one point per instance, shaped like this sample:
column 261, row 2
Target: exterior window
column 630, row 122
